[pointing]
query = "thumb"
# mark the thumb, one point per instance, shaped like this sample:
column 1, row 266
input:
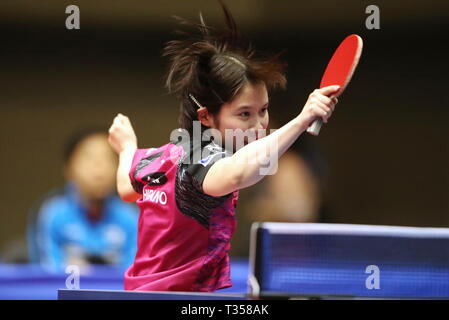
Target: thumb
column 329, row 90
column 126, row 121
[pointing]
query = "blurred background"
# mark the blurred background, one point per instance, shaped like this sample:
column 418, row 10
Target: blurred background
column 382, row 159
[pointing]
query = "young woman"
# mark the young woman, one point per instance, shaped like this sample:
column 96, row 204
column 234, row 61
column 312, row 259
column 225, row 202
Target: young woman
column 187, row 189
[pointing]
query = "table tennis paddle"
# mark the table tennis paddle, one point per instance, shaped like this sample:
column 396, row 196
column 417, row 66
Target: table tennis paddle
column 339, row 71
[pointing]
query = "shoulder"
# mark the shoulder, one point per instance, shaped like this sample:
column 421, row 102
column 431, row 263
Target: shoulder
column 54, row 215
column 198, row 160
column 197, row 150
column 55, row 208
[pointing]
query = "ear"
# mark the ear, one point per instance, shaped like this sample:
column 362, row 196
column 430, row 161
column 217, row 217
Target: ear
column 205, row 117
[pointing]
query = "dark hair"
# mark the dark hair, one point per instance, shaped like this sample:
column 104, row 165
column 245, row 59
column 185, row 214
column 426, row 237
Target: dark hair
column 79, row 136
column 209, row 68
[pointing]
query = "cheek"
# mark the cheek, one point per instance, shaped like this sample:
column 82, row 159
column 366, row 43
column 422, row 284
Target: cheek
column 230, row 123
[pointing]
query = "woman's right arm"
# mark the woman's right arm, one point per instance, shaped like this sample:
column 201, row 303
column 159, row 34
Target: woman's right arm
column 124, row 142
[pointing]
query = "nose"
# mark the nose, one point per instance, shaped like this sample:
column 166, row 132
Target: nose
column 257, row 123
column 259, row 126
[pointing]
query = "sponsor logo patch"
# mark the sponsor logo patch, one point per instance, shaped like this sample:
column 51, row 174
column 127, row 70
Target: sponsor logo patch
column 155, row 196
column 155, row 178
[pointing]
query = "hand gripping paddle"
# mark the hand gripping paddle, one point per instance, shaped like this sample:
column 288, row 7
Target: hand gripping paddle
column 340, row 70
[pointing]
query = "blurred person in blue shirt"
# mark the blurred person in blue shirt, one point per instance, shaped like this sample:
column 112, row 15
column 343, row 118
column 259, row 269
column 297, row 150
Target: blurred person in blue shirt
column 85, row 222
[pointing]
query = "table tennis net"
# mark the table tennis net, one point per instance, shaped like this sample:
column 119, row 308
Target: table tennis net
column 350, row 260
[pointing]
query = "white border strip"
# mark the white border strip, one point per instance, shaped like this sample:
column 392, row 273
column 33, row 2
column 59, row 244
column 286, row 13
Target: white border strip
column 253, row 284
column 353, row 229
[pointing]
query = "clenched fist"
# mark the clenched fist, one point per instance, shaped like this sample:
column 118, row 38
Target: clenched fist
column 319, row 105
column 121, row 134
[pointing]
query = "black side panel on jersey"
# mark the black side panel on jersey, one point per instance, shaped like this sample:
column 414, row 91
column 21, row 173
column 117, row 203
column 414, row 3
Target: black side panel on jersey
column 137, row 185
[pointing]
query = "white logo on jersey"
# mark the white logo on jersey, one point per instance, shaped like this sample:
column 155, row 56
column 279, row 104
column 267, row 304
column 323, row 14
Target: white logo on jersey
column 155, row 196
column 208, row 159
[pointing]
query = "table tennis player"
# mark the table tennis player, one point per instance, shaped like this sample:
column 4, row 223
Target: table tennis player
column 187, row 207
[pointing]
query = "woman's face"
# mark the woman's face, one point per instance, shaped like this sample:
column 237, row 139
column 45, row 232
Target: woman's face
column 247, row 111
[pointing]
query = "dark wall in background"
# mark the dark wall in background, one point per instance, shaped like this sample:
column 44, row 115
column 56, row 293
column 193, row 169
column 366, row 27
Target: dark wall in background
column 386, row 145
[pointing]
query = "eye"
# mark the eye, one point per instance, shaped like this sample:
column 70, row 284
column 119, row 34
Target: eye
column 245, row 114
column 264, row 110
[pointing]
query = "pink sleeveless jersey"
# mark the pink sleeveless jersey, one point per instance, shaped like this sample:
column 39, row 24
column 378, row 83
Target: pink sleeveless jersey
column 183, row 234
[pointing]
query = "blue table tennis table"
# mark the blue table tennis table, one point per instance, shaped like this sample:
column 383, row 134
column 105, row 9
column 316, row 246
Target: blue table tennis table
column 33, row 282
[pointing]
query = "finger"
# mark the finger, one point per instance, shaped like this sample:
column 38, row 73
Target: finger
column 323, row 115
column 120, row 118
column 334, row 103
column 123, row 120
column 324, row 99
column 326, row 107
column 320, row 112
column 117, row 127
column 323, row 111
column 116, row 121
column 327, row 91
column 126, row 121
column 329, row 102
